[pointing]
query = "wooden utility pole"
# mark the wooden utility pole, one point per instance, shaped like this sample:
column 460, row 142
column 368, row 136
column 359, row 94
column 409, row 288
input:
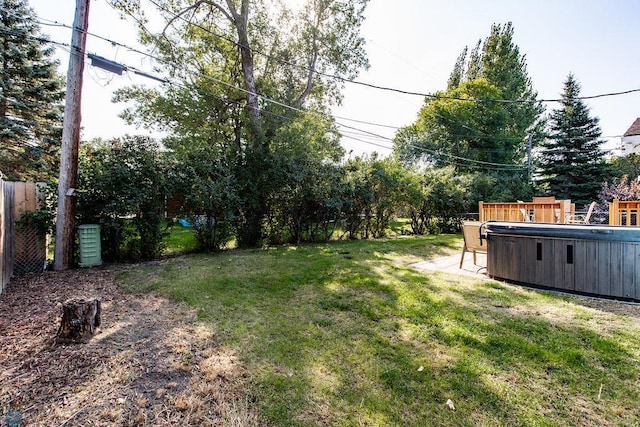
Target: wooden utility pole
column 65, row 230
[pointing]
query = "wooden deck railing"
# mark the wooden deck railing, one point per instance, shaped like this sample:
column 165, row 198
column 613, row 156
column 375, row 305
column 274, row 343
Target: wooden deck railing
column 624, row 212
column 542, row 210
column 548, row 210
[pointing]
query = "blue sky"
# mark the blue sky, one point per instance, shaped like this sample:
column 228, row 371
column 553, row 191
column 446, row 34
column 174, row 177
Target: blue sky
column 412, row 45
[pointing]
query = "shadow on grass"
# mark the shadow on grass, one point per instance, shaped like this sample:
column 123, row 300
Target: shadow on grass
column 139, row 368
column 343, row 334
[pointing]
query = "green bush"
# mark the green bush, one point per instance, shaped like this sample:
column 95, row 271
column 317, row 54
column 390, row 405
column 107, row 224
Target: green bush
column 209, row 194
column 123, row 186
column 304, row 199
column 438, row 196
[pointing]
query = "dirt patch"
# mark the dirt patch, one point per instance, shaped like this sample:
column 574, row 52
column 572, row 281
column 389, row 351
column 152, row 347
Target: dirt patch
column 150, row 362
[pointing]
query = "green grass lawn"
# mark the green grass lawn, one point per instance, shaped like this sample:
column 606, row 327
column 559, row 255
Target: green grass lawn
column 347, row 334
column 181, row 240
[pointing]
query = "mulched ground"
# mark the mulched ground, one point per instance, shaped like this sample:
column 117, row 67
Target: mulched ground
column 149, row 363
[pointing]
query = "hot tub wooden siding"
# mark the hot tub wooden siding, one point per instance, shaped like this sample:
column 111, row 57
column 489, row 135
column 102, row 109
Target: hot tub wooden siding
column 596, row 260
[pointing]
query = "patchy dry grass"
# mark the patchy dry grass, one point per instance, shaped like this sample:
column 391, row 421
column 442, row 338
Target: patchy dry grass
column 151, row 362
column 348, row 334
column 338, row 334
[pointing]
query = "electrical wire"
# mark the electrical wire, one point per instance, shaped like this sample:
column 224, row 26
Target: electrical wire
column 484, row 136
column 478, row 163
column 345, row 80
column 490, row 164
column 115, row 43
column 379, row 87
column 473, row 162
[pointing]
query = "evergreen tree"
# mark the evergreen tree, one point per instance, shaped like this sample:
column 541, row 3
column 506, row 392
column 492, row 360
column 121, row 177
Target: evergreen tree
column 31, row 94
column 572, row 164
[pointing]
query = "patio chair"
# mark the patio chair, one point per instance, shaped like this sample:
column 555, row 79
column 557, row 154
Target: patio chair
column 526, row 214
column 582, row 219
column 472, row 243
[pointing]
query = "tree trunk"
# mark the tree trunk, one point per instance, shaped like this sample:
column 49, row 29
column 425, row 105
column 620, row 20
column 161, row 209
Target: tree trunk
column 79, row 321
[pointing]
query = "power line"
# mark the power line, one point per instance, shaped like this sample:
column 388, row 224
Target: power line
column 342, row 79
column 379, row 87
column 115, row 43
column 436, row 153
column 478, row 163
column 484, row 136
column 375, row 144
column 369, row 134
column 361, row 131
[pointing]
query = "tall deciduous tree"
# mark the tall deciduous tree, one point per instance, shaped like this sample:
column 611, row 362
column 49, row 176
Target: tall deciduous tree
column 243, row 54
column 499, row 61
column 572, row 164
column 31, row 94
column 457, row 128
column 481, row 122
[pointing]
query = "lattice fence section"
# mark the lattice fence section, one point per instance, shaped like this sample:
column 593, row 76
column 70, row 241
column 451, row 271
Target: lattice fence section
column 31, row 251
column 21, row 249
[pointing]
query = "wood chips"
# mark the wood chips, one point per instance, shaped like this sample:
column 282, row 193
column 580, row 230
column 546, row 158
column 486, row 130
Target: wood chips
column 149, row 363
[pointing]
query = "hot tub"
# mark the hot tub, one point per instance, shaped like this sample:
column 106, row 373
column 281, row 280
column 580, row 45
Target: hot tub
column 590, row 259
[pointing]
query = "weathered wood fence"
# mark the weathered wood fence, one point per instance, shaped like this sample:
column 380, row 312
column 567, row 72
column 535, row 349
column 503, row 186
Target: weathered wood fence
column 22, row 250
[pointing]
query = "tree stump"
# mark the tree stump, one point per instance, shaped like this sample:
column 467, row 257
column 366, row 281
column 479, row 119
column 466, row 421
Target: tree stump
column 79, row 321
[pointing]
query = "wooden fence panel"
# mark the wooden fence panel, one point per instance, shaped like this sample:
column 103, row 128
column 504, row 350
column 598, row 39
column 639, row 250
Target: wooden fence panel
column 7, row 231
column 29, row 246
column 22, row 250
column 30, row 250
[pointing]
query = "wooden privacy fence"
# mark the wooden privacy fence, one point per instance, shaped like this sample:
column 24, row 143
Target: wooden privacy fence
column 22, row 250
column 6, row 230
column 541, row 209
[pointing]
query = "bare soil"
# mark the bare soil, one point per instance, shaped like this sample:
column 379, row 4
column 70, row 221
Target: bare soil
column 149, row 363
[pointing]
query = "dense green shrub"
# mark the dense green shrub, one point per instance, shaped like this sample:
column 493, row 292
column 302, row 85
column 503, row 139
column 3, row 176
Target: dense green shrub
column 438, row 196
column 123, row 185
column 374, row 192
column 210, row 196
column 305, row 200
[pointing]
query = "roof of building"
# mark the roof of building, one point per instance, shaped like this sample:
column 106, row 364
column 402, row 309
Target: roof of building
column 634, row 129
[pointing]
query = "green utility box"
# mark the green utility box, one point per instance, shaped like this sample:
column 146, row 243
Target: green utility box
column 89, row 241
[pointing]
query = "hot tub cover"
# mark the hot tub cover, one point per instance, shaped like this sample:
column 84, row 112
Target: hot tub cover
column 565, row 231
